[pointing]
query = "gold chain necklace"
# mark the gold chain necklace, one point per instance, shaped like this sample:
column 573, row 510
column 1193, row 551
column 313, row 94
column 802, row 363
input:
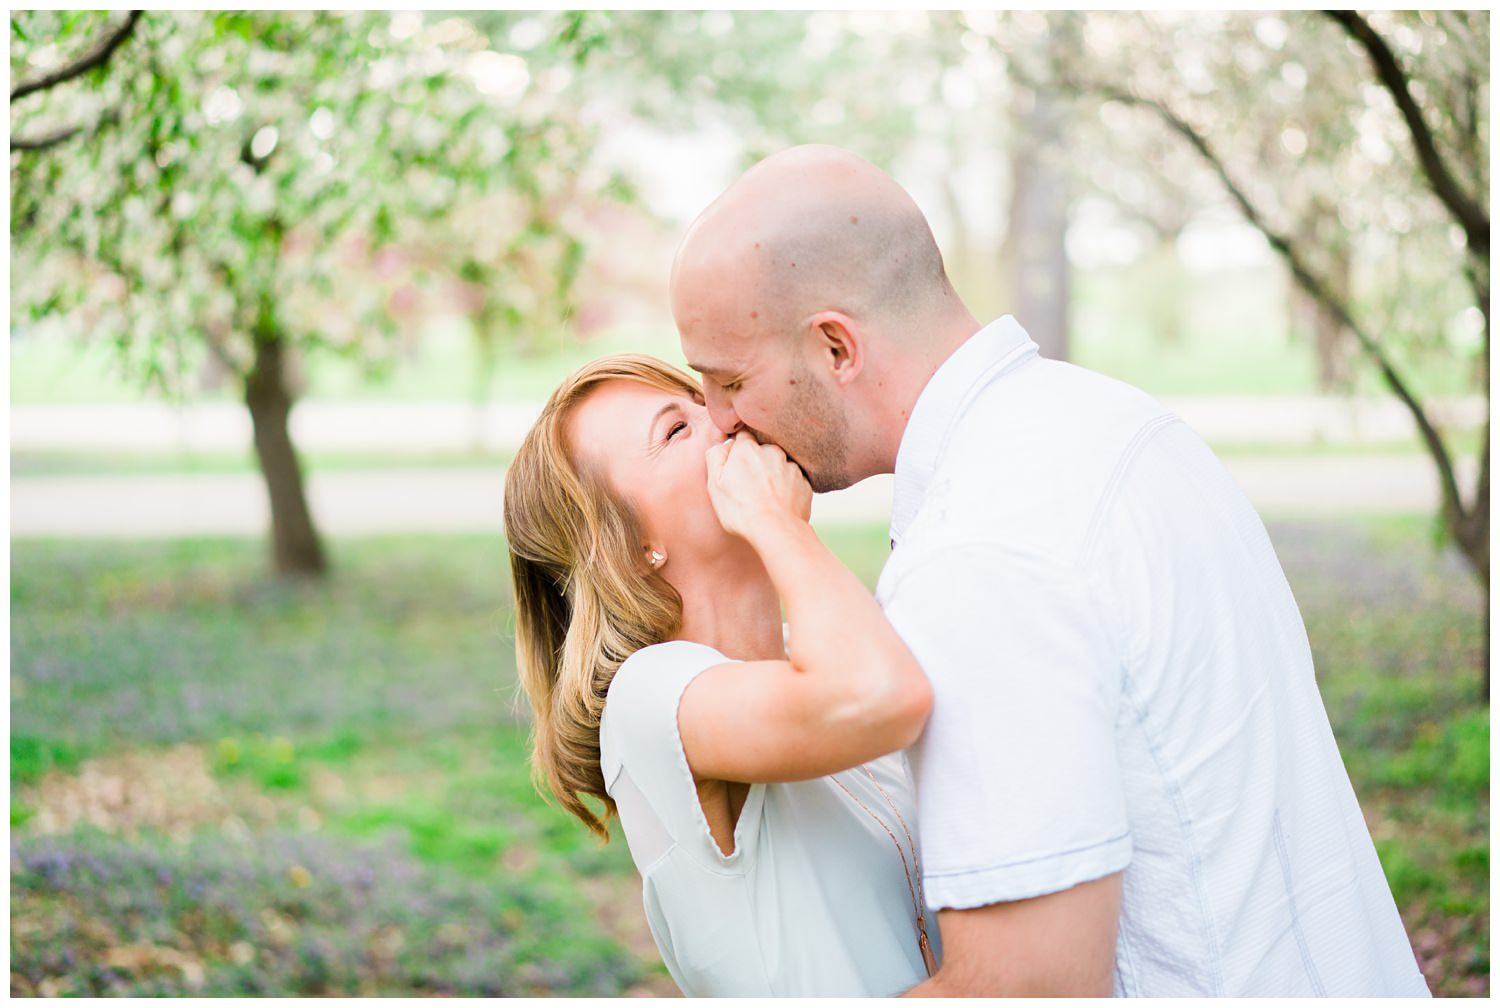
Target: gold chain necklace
column 918, row 900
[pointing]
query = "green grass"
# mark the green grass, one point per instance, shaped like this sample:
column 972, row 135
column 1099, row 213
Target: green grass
column 380, row 706
column 288, row 914
column 378, row 713
column 1399, row 636
column 31, row 756
column 130, row 643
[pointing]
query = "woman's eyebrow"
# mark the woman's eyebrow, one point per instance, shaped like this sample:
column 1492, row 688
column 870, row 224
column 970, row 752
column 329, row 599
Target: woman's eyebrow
column 669, row 407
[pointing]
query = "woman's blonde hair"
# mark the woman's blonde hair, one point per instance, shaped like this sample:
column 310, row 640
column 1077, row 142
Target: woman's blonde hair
column 585, row 598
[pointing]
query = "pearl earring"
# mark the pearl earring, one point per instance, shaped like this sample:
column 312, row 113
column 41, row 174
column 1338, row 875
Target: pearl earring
column 657, row 559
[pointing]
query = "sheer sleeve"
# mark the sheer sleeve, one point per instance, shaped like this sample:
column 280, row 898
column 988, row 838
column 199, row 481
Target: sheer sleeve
column 645, row 767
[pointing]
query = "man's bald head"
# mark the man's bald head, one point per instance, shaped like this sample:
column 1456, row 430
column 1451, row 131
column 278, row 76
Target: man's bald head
column 812, row 298
column 810, row 229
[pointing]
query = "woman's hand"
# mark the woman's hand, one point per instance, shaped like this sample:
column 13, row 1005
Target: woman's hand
column 752, row 485
column 849, row 690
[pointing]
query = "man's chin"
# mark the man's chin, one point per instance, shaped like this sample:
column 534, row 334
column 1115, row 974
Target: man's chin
column 790, row 458
column 825, row 482
column 814, row 480
column 821, row 482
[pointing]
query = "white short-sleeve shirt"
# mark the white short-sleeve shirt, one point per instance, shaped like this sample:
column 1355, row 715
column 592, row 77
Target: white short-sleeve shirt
column 813, row 900
column 1122, row 681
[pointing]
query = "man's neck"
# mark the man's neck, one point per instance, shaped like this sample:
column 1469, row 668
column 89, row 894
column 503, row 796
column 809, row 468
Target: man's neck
column 904, row 383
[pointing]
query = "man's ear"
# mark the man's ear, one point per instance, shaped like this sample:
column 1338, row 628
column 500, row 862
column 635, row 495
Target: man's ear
column 839, row 344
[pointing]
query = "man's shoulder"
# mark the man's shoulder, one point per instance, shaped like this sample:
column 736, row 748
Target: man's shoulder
column 1031, row 459
column 1050, row 404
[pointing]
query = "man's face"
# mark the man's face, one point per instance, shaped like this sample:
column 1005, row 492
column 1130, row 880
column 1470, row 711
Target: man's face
column 765, row 384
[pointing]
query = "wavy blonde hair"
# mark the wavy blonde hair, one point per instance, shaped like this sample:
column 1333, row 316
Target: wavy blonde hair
column 585, row 599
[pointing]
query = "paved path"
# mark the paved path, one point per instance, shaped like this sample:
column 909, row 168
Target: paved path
column 468, row 499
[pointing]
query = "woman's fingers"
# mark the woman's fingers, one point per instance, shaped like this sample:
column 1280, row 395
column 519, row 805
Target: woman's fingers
column 748, row 480
column 716, row 456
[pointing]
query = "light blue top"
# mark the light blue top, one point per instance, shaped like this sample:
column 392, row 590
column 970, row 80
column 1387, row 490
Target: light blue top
column 812, row 902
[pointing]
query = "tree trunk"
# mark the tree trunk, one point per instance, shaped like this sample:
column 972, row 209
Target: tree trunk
column 1162, row 292
column 295, row 547
column 1333, row 345
column 1038, row 224
column 1472, row 532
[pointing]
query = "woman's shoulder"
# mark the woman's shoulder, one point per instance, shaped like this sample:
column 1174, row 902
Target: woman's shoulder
column 662, row 665
column 639, row 737
column 673, row 652
column 646, row 688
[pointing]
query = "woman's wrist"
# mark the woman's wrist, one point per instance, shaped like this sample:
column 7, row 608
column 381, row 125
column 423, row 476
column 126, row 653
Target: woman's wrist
column 773, row 529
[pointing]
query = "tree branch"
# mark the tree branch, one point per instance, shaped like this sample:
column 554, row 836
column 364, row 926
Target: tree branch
column 1483, row 492
column 218, row 345
column 1479, row 283
column 1453, row 504
column 59, row 136
column 1470, row 216
column 95, row 57
column 43, row 142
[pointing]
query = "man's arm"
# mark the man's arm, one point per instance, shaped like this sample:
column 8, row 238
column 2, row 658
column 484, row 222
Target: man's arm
column 1058, row 945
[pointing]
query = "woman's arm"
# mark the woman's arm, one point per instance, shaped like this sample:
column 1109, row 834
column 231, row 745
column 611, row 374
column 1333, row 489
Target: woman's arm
column 850, row 691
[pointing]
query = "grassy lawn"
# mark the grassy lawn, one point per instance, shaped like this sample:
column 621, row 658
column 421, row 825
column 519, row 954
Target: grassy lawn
column 222, row 784
column 167, row 698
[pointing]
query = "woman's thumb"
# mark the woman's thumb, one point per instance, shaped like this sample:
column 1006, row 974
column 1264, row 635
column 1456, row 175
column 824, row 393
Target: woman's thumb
column 716, row 456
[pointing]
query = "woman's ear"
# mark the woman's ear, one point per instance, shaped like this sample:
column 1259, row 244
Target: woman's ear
column 839, row 343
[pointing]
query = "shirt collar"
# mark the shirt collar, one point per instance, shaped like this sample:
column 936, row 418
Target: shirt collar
column 983, row 356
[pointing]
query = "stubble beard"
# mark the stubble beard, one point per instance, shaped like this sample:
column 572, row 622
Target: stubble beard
column 823, row 456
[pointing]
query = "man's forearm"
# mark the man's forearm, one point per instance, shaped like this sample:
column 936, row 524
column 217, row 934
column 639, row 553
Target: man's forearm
column 940, row 985
column 933, row 986
column 1058, row 945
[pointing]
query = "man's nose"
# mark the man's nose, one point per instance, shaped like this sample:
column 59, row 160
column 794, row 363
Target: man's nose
column 720, row 412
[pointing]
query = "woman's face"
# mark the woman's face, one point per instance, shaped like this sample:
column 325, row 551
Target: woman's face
column 650, row 444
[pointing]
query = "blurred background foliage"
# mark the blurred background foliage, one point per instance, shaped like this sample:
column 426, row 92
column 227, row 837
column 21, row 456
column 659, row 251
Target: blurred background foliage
column 221, row 180
column 225, row 781
column 236, row 178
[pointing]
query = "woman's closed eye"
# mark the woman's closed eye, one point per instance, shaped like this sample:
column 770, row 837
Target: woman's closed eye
column 676, row 427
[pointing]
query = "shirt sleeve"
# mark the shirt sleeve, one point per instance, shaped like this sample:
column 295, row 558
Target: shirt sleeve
column 1019, row 790
column 639, row 733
